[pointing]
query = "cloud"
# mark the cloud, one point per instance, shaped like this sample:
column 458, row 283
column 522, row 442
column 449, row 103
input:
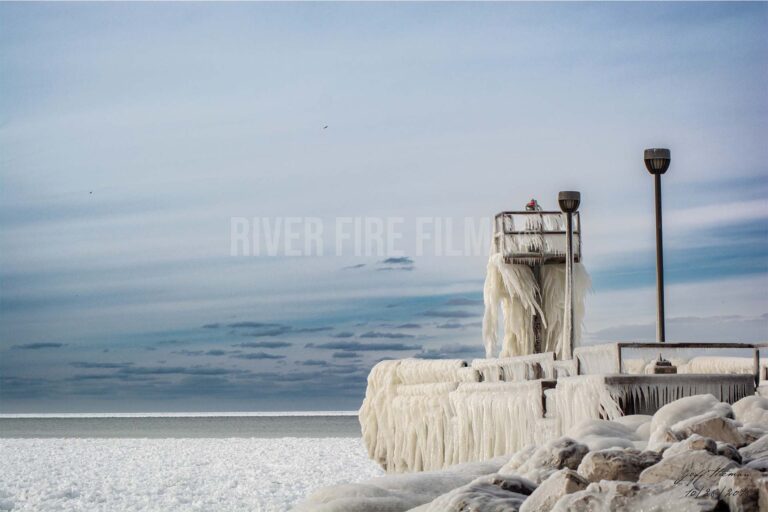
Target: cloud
column 258, row 355
column 211, row 326
column 345, row 355
column 38, row 346
column 389, row 335
column 264, row 344
column 691, row 328
column 357, row 346
column 449, row 314
column 409, row 326
column 353, row 267
column 253, row 325
column 344, row 334
column 313, row 329
column 405, row 260
column 452, row 352
column 461, row 301
column 167, row 370
column 313, row 362
column 89, row 365
column 407, row 269
column 450, row 325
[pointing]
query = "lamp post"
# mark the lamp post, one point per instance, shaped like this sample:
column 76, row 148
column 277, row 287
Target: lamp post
column 569, row 203
column 657, row 162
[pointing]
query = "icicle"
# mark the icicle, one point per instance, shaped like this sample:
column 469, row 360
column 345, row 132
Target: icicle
column 583, row 398
column 598, row 359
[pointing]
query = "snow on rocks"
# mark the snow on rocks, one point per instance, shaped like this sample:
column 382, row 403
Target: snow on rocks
column 755, row 450
column 492, row 493
column 713, row 426
column 616, row 464
column 752, row 410
column 611, row 496
column 561, row 482
column 680, row 410
column 396, row 493
column 545, row 460
column 694, row 442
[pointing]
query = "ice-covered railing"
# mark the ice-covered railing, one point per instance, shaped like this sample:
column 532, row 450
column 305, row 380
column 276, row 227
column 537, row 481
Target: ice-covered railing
column 597, row 359
column 532, row 237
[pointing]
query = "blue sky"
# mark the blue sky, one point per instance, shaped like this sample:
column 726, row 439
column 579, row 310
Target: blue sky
column 130, row 135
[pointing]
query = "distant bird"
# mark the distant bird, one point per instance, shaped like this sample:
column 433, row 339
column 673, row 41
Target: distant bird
column 324, row 127
column 91, row 192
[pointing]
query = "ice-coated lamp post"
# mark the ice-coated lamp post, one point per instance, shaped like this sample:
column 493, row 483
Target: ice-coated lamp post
column 657, row 162
column 569, row 203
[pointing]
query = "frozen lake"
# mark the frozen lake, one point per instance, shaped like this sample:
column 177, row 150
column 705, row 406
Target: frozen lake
column 180, row 426
column 230, row 463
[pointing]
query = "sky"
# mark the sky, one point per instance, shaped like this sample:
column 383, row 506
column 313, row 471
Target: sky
column 133, row 136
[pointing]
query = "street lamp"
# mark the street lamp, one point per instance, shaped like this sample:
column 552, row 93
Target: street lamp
column 569, row 203
column 657, row 162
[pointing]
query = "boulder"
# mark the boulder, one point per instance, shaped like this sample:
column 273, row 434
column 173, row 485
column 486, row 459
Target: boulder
column 762, row 494
column 755, row 450
column 663, row 439
column 753, row 432
column 557, row 454
column 491, row 493
column 683, row 409
column 695, row 442
column 729, row 451
column 560, row 483
column 616, row 464
column 752, row 409
column 697, row 469
column 739, row 490
column 713, row 426
column 611, row 496
column 760, row 464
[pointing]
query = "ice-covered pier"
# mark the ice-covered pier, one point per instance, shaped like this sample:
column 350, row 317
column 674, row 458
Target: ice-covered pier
column 423, row 415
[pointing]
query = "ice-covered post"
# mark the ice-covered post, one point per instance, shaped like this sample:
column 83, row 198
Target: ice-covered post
column 657, row 162
column 569, row 203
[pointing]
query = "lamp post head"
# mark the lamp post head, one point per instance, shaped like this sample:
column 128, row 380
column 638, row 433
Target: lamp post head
column 657, row 160
column 569, row 201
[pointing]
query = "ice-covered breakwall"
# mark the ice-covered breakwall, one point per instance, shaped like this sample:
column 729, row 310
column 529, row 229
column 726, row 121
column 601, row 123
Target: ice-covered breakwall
column 425, row 415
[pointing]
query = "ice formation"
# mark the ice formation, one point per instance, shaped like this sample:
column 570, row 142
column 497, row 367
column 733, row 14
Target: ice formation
column 626, row 447
column 428, row 414
column 512, row 290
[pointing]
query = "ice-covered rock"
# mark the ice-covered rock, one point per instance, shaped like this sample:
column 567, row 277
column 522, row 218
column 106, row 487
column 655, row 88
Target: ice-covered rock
column 612, row 496
column 616, row 464
column 697, row 469
column 762, row 494
column 739, row 489
column 729, row 451
column 491, row 493
column 395, row 493
column 561, row 482
column 683, row 409
column 711, row 425
column 752, row 432
column 752, row 409
column 603, row 434
column 557, row 454
column 755, row 450
column 694, row 442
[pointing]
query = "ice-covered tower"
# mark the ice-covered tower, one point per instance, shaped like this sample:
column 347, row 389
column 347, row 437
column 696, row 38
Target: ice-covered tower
column 526, row 282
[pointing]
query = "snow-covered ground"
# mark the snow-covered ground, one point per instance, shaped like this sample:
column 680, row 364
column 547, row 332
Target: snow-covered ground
column 174, row 474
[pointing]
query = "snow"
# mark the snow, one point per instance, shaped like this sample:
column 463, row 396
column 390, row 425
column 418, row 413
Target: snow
column 261, row 475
